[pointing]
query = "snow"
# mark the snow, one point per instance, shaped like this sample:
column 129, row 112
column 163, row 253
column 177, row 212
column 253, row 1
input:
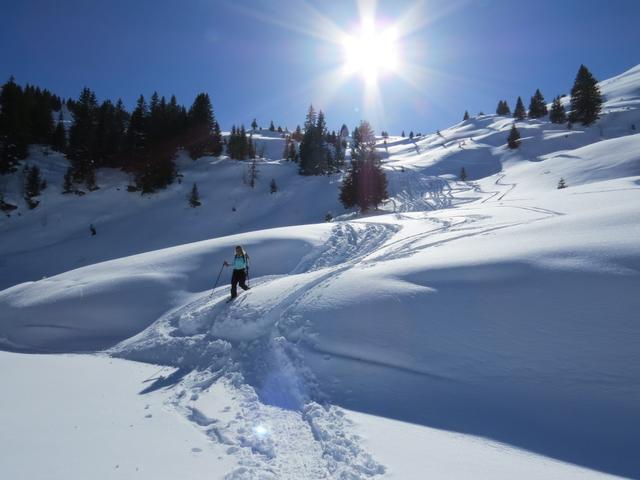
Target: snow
column 484, row 328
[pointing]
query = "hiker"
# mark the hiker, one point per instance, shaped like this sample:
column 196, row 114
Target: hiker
column 240, row 266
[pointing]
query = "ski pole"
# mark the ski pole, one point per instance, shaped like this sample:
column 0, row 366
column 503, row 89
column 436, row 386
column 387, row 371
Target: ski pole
column 217, row 279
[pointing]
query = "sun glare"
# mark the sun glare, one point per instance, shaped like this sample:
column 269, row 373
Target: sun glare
column 371, row 51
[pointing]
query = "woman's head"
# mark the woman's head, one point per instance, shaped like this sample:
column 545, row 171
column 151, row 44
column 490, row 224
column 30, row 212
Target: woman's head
column 239, row 250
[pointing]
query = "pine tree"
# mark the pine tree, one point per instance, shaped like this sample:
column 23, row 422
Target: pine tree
column 537, row 105
column 253, row 173
column 201, row 140
column 83, row 149
column 67, row 187
column 503, row 109
column 254, row 125
column 344, row 131
column 59, row 137
column 586, row 99
column 33, row 182
column 365, row 185
column 293, row 152
column 194, row 197
column 273, row 187
column 403, row 135
column 14, row 126
column 315, row 153
column 411, row 134
column 466, row 115
column 557, row 113
column 519, row 113
column 463, row 175
column 514, row 137
column 272, row 127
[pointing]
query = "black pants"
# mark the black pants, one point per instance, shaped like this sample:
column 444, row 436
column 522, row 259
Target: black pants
column 238, row 277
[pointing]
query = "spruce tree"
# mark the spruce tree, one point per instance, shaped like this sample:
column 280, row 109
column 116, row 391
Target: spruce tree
column 365, row 185
column 586, row 99
column 273, row 187
column 33, row 182
column 466, row 115
column 14, row 126
column 59, row 137
column 562, row 184
column 201, row 122
column 503, row 108
column 557, row 113
column 194, row 197
column 272, row 127
column 254, row 125
column 463, row 175
column 83, row 148
column 537, row 105
column 67, row 186
column 513, row 140
column 519, row 113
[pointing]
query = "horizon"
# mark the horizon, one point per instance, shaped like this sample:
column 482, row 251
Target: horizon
column 271, row 61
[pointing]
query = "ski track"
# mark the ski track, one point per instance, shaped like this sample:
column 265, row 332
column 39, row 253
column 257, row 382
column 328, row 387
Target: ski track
column 281, row 427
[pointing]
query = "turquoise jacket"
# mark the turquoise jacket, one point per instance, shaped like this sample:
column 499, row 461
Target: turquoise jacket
column 239, row 262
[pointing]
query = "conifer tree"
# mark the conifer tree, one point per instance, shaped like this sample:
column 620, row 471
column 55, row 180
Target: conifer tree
column 59, row 137
column 365, row 185
column 83, row 146
column 513, row 141
column 586, row 99
column 344, row 131
column 466, row 115
column 67, row 186
column 201, row 140
column 537, row 105
column 463, row 175
column 194, row 197
column 519, row 113
column 272, row 127
column 503, row 108
column 562, row 184
column 33, row 182
column 273, row 187
column 403, row 135
column 14, row 126
column 557, row 113
column 254, row 125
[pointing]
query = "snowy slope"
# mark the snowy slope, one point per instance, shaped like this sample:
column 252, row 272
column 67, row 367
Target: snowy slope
column 501, row 309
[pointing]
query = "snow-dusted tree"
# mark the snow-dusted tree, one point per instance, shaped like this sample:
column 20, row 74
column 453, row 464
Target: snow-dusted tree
column 537, row 105
column 194, row 197
column 586, row 99
column 519, row 113
column 557, row 113
column 562, row 184
column 513, row 141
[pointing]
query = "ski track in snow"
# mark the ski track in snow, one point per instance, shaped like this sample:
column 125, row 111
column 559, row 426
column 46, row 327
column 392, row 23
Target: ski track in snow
column 282, row 428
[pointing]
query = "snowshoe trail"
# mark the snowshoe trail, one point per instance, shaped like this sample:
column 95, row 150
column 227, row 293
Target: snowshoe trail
column 247, row 350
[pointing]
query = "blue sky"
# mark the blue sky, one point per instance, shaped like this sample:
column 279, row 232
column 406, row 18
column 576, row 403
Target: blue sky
column 270, row 59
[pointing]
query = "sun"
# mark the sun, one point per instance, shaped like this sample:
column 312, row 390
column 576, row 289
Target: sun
column 371, row 51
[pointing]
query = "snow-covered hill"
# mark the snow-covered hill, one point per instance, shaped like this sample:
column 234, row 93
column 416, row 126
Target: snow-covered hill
column 501, row 308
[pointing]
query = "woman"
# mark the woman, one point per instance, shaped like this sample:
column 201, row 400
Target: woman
column 240, row 267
